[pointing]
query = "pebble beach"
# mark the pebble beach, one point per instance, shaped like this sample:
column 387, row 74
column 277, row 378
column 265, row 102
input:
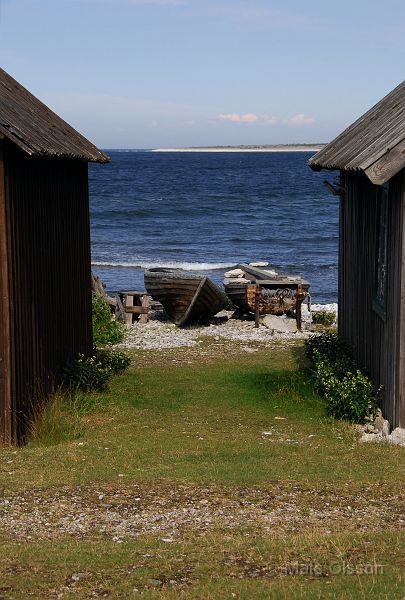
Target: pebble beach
column 159, row 333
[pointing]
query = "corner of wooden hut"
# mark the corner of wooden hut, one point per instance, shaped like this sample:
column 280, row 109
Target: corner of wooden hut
column 45, row 272
column 370, row 155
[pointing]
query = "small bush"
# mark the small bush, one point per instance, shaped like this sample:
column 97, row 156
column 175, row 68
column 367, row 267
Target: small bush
column 105, row 329
column 114, row 360
column 86, row 374
column 322, row 317
column 329, row 345
column 351, row 398
column 94, row 372
column 348, row 391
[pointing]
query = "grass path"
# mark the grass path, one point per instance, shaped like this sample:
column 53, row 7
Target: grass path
column 207, row 472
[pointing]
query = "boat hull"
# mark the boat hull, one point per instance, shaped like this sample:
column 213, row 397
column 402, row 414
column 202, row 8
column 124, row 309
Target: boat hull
column 186, row 298
column 236, row 293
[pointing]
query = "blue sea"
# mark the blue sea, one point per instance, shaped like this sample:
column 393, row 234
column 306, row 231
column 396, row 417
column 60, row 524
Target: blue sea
column 206, row 212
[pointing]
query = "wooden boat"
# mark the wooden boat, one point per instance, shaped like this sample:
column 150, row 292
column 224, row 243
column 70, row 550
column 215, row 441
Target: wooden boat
column 278, row 291
column 186, row 298
column 235, row 289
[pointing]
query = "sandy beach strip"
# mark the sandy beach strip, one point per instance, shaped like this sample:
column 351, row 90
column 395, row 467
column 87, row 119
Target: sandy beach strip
column 250, row 149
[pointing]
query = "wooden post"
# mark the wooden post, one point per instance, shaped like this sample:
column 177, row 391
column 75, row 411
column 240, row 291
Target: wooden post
column 128, row 303
column 143, row 317
column 300, row 295
column 257, row 299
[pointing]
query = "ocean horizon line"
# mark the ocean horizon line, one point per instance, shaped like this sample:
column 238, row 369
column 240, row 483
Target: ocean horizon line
column 237, row 148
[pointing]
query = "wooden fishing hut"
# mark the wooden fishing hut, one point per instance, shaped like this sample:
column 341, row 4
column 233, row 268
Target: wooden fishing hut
column 45, row 285
column 370, row 155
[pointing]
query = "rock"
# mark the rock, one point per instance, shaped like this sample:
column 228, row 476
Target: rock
column 235, row 273
column 379, row 422
column 280, row 324
column 369, row 428
column 397, row 436
column 74, row 578
column 385, row 428
column 371, row 437
column 224, row 314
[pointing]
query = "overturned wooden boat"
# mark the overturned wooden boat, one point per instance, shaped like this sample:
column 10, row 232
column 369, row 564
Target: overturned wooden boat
column 186, row 298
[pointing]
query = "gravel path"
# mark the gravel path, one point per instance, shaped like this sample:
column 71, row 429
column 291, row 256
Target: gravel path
column 128, row 511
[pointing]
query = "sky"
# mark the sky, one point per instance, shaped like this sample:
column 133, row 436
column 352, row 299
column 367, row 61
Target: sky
column 175, row 73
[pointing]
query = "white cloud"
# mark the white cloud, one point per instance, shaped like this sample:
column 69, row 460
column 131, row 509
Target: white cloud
column 248, row 118
column 237, row 118
column 234, row 117
column 299, row 119
column 269, row 119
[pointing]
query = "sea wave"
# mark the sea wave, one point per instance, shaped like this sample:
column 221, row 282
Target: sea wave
column 188, row 266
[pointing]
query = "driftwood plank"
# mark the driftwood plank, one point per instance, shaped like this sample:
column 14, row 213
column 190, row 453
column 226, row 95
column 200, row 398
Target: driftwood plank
column 145, row 304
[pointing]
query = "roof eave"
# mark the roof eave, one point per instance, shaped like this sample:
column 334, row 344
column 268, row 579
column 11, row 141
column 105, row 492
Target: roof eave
column 97, row 157
column 379, row 172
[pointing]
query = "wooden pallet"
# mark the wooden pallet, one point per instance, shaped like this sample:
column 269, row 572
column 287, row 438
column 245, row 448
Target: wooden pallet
column 133, row 306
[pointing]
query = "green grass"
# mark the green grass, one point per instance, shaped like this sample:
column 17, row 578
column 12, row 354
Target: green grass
column 202, row 424
column 211, row 568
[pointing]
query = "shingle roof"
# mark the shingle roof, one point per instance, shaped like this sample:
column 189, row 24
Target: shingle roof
column 36, row 129
column 374, row 144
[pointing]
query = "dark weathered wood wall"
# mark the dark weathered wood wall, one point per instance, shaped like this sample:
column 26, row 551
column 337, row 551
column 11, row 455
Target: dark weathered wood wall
column 375, row 340
column 46, row 291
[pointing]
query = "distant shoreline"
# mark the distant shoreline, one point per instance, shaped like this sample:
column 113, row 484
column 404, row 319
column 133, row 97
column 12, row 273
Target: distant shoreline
column 272, row 148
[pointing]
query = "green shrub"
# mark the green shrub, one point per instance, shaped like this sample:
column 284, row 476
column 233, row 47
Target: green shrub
column 350, row 398
column 105, row 329
column 321, row 317
column 94, row 372
column 329, row 345
column 86, row 374
column 348, row 391
column 114, row 360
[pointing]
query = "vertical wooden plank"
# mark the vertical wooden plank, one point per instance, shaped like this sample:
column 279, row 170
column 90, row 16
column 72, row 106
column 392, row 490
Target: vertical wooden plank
column 6, row 416
column 257, row 307
column 128, row 303
column 401, row 365
column 341, row 259
column 145, row 304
